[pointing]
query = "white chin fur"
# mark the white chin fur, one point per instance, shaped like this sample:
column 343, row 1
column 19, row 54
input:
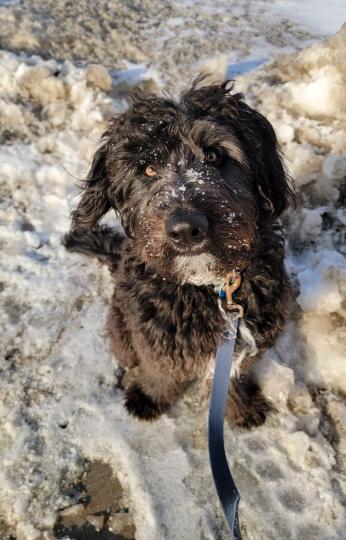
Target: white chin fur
column 196, row 269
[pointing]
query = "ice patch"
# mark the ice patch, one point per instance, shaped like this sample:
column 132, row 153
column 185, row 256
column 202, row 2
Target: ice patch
column 9, row 2
column 239, row 68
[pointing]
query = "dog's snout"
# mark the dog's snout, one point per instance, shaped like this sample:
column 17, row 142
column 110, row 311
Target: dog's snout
column 187, row 229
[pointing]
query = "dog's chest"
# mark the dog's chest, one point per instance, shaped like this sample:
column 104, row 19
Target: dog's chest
column 180, row 321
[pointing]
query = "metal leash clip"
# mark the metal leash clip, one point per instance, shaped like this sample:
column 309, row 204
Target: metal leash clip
column 232, row 283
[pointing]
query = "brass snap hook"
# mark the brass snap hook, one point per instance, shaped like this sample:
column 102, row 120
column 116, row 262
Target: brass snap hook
column 232, row 283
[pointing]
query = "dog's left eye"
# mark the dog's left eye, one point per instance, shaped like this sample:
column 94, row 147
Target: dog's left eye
column 150, row 171
column 211, row 156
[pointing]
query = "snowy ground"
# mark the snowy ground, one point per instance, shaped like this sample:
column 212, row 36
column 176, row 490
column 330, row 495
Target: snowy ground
column 64, row 432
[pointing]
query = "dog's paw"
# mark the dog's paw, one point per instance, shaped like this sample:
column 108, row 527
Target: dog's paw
column 141, row 405
column 247, row 406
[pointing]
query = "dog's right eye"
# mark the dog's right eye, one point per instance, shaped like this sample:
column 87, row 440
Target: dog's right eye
column 150, row 171
column 213, row 157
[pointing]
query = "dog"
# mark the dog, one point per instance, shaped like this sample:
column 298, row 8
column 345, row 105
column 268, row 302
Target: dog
column 198, row 184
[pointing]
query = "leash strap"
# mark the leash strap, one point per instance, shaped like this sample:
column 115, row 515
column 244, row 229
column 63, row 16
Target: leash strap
column 224, row 483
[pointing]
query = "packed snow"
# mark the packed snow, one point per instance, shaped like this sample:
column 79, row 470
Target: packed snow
column 60, row 405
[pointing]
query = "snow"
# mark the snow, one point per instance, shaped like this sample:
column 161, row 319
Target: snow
column 321, row 283
column 316, row 16
column 59, row 402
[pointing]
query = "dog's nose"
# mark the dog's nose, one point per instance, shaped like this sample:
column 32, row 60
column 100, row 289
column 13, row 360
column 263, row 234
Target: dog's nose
column 187, row 229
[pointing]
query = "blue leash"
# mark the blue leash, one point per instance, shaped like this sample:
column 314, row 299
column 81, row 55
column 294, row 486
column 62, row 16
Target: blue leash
column 223, row 480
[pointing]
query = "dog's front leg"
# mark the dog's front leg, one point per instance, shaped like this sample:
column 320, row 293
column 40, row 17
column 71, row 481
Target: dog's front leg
column 154, row 390
column 247, row 406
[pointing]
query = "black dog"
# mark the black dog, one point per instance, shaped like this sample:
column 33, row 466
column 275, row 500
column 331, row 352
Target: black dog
column 198, row 185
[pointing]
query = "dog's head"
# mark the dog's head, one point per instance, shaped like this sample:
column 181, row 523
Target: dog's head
column 192, row 182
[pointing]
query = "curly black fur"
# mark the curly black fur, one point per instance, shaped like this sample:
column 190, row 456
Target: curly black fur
column 101, row 242
column 164, row 322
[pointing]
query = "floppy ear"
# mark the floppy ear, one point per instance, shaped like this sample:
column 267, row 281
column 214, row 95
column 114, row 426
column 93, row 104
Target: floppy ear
column 272, row 181
column 94, row 201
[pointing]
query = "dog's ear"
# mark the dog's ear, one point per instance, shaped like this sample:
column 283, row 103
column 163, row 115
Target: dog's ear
column 272, row 181
column 94, row 201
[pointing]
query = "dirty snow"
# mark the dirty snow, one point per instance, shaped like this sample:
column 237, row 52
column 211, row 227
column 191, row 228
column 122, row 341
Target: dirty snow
column 315, row 16
column 60, row 404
